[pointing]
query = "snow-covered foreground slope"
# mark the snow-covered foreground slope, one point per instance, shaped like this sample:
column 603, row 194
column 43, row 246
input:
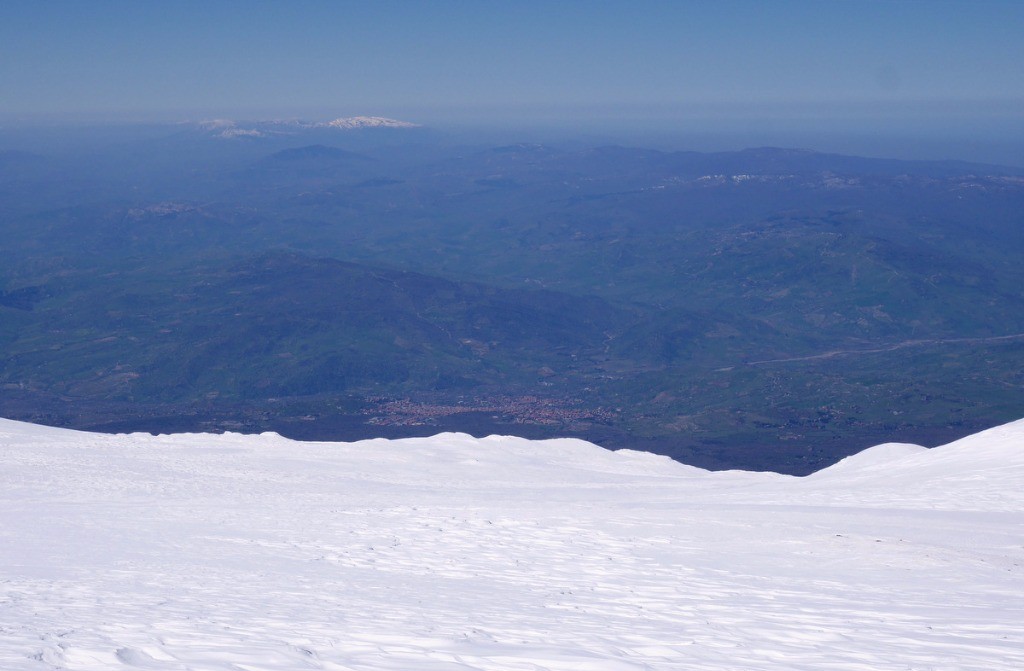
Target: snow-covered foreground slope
column 451, row 553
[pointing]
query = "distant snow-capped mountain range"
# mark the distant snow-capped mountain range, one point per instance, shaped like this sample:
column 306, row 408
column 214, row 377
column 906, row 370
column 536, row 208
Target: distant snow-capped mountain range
column 228, row 128
column 368, row 122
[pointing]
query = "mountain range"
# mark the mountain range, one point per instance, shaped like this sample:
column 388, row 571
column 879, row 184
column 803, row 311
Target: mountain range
column 231, row 129
column 770, row 308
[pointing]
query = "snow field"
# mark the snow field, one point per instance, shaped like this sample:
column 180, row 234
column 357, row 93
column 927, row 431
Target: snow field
column 256, row 553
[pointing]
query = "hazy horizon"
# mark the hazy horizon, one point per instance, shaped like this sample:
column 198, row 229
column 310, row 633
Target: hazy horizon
column 907, row 80
column 995, row 141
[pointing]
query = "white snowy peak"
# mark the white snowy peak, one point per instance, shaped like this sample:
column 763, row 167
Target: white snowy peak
column 354, row 122
column 228, row 128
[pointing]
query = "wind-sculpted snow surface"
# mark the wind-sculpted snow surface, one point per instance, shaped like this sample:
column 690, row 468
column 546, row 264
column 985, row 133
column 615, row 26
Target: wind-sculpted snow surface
column 246, row 553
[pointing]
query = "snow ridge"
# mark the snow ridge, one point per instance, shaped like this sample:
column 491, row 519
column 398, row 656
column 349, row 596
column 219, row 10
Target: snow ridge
column 456, row 553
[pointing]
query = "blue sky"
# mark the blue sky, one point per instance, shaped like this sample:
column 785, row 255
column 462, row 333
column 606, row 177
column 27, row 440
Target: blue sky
column 805, row 64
